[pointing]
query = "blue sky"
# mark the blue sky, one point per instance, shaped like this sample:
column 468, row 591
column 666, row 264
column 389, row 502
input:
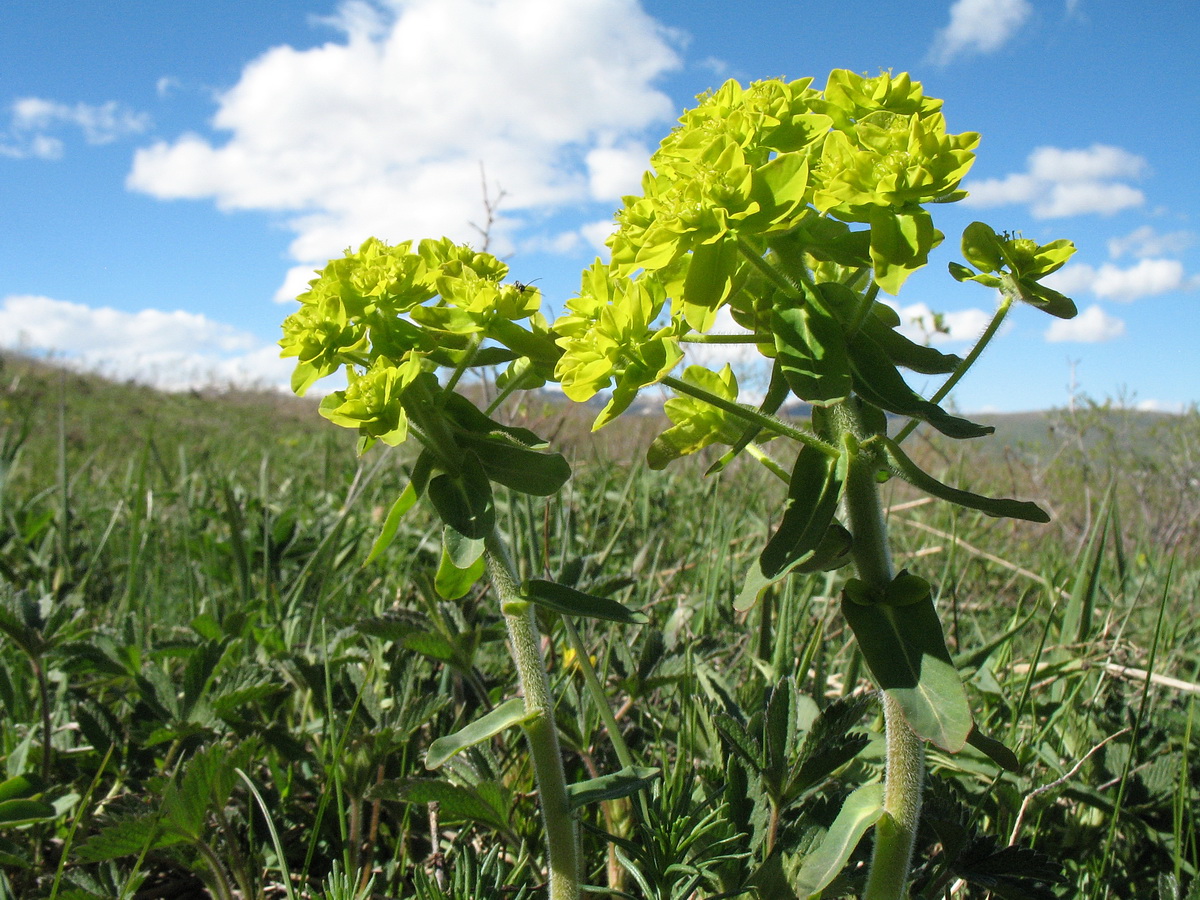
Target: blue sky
column 170, row 174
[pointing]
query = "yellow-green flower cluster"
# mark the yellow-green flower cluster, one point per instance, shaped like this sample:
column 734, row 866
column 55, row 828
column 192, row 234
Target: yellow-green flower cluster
column 385, row 313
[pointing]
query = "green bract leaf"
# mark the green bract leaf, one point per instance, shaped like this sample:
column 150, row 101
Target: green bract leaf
column 862, row 809
column 709, row 282
column 905, row 468
column 392, row 523
column 452, row 581
column 906, row 652
column 900, row 244
column 697, row 424
column 981, row 247
column 506, row 715
column 627, row 781
column 571, row 602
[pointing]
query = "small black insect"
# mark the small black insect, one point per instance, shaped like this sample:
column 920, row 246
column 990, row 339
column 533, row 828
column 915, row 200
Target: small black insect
column 522, row 286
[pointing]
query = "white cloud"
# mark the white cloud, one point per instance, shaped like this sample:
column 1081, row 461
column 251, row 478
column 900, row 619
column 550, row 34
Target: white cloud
column 1145, row 241
column 921, row 324
column 1060, row 183
column 978, row 26
column 1092, row 326
column 614, row 172
column 383, row 132
column 100, row 124
column 1147, row 278
column 596, row 233
column 170, row 349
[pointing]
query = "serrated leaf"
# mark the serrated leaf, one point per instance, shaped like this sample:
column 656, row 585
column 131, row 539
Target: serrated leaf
column 628, row 780
column 741, row 741
column 571, row 602
column 506, row 715
column 862, row 809
column 455, row 802
column 906, row 653
column 905, row 468
column 128, row 837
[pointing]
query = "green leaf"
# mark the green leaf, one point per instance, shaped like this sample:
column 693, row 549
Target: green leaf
column 994, row 750
column 981, row 247
column 512, row 464
column 451, row 582
column 903, row 352
column 506, row 715
column 464, row 502
column 709, row 282
column 463, row 552
column 20, row 787
column 392, row 523
column 18, row 812
column 813, row 493
column 862, row 809
column 905, row 468
column 456, row 803
column 812, row 353
column 628, row 780
column 877, row 381
column 906, row 653
column 571, row 602
column 900, row 244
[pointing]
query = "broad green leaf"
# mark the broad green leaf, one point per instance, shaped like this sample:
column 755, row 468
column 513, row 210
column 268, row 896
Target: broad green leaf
column 981, row 247
column 905, row 468
column 506, row 715
column 392, row 523
column 571, row 602
column 463, row 552
column 812, row 354
column 627, row 781
column 906, row 653
column 518, row 467
column 900, row 244
column 20, row 787
column 862, row 809
column 464, row 502
column 877, row 381
column 813, row 493
column 16, row 812
column 709, row 282
column 452, row 582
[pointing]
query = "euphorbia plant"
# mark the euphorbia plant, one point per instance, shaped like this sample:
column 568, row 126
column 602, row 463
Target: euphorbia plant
column 392, row 317
column 794, row 209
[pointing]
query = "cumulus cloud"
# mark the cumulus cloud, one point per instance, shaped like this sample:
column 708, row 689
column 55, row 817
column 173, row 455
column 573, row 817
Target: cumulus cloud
column 918, row 322
column 170, row 349
column 383, row 131
column 1146, row 241
column 31, row 119
column 978, row 26
column 1146, row 278
column 1060, row 183
column 1092, row 326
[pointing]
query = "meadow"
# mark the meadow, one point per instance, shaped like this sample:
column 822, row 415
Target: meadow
column 208, row 692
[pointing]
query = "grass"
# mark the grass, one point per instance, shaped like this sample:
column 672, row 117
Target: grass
column 205, row 690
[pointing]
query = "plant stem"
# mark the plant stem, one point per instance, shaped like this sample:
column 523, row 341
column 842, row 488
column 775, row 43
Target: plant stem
column 1006, row 302
column 562, row 844
column 749, row 414
column 904, row 770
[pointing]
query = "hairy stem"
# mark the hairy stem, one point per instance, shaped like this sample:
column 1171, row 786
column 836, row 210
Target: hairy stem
column 562, row 844
column 904, row 770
